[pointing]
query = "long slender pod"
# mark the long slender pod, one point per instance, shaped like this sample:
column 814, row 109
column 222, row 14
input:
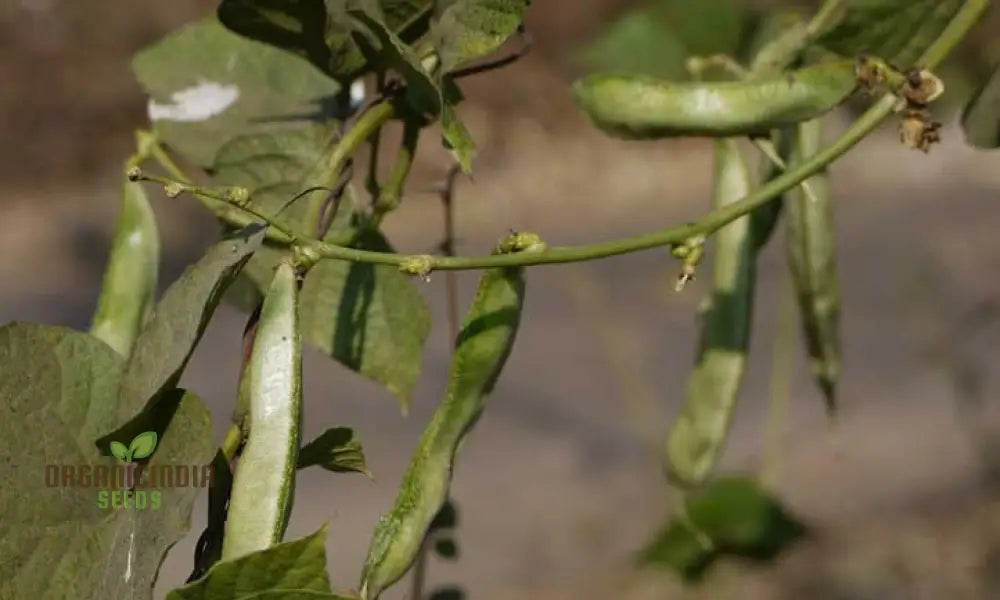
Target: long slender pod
column 813, row 263
column 698, row 435
column 264, row 481
column 128, row 292
column 765, row 218
column 643, row 107
column 484, row 343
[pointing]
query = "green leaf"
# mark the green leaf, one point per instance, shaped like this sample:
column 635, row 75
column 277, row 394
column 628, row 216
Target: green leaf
column 457, row 138
column 169, row 337
column 294, row 25
column 446, row 548
column 275, row 167
column 143, row 444
column 120, row 451
column 319, row 31
column 338, row 449
column 981, row 118
column 369, row 317
column 128, row 291
column 425, row 94
column 705, row 27
column 58, row 385
column 732, row 516
column 286, row 571
column 896, row 30
column 446, row 517
column 387, row 51
column 208, row 85
column 448, row 593
column 470, row 29
column 639, row 42
column 656, row 38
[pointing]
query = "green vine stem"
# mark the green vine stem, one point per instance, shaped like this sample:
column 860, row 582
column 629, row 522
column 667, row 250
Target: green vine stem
column 365, row 127
column 222, row 208
column 375, row 145
column 423, row 264
column 391, row 193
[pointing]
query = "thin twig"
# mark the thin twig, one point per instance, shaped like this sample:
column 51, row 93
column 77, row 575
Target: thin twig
column 375, row 143
column 447, row 195
column 333, row 200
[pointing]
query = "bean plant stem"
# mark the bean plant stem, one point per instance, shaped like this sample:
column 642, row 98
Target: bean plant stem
column 232, row 442
column 368, row 123
column 826, row 17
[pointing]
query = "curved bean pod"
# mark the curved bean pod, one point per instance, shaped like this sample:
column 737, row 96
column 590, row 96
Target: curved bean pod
column 128, row 292
column 263, row 485
column 642, row 107
column 482, row 348
column 813, row 263
column 698, row 436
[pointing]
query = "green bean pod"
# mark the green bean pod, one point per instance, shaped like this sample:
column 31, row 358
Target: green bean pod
column 698, row 435
column 813, row 264
column 128, row 292
column 264, row 481
column 642, row 107
column 763, row 220
column 482, row 348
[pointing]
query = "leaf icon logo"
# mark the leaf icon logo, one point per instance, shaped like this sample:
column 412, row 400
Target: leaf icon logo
column 141, row 447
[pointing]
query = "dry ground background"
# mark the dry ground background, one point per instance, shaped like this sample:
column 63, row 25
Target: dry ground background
column 562, row 480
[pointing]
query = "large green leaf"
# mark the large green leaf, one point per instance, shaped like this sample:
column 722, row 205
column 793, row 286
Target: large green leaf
column 896, row 30
column 469, row 29
column 705, row 27
column 208, row 85
column 320, row 31
column 369, row 317
column 655, row 38
column 732, row 516
column 275, row 167
column 295, row 25
column 168, row 339
column 293, row 570
column 639, row 42
column 981, row 118
column 388, row 51
column 57, row 390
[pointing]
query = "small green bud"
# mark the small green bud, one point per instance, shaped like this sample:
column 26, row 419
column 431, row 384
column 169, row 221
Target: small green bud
column 134, row 173
column 173, row 189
